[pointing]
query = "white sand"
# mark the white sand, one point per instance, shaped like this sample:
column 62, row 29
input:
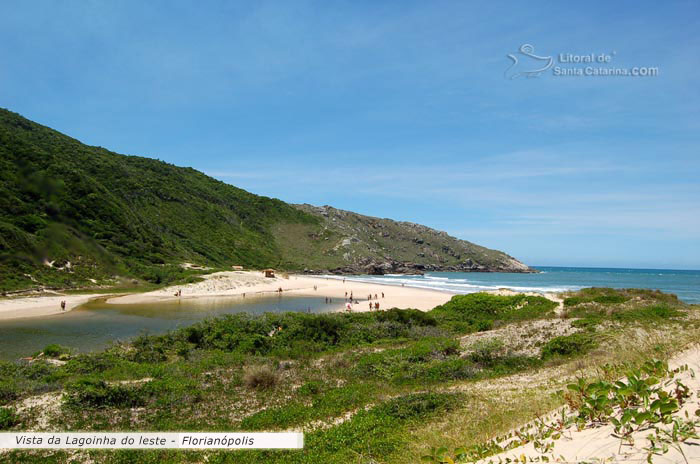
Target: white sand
column 34, row 306
column 236, row 283
column 599, row 445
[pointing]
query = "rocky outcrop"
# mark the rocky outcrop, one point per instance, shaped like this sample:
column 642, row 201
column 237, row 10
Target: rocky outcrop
column 376, row 246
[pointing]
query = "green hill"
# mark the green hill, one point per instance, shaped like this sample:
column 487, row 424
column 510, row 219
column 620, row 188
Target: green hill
column 72, row 213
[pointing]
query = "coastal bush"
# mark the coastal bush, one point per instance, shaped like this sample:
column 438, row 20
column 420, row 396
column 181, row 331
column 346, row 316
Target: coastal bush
column 8, row 419
column 480, row 311
column 652, row 313
column 288, row 335
column 312, row 387
column 442, row 371
column 9, row 391
column 588, row 323
column 55, row 351
column 417, row 405
column 149, row 349
column 410, row 363
column 568, row 345
column 22, row 379
column 333, row 403
column 612, row 296
column 92, row 393
column 260, row 378
column 485, row 352
column 641, row 312
column 412, row 317
column 87, row 363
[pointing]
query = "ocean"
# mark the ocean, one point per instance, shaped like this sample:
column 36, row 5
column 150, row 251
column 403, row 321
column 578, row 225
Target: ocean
column 685, row 284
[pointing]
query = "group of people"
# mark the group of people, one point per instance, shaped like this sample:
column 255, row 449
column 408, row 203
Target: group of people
column 178, row 293
column 350, row 300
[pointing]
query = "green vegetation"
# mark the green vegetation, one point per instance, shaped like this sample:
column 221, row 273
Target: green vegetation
column 8, row 419
column 366, row 387
column 90, row 393
column 71, row 214
column 608, row 296
column 55, row 351
column 574, row 344
column 480, row 311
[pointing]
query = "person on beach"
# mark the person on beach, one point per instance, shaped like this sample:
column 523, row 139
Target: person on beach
column 375, row 296
column 348, row 307
column 314, row 288
column 243, row 294
column 370, row 306
column 382, row 294
column 376, row 306
column 63, row 305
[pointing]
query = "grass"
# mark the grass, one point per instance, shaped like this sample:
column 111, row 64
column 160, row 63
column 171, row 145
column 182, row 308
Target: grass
column 364, row 387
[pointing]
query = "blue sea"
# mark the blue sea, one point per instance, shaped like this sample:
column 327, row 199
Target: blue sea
column 685, row 284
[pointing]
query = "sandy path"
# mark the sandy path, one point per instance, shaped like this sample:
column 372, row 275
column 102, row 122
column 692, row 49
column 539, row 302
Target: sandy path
column 598, row 444
column 34, row 306
column 237, row 283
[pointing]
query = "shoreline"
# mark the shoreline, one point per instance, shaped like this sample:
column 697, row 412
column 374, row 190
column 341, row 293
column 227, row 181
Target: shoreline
column 42, row 305
column 238, row 284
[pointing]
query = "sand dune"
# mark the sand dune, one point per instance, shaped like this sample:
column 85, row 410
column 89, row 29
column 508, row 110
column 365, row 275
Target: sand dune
column 597, row 444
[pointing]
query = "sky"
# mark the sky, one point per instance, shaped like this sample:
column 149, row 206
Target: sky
column 407, row 110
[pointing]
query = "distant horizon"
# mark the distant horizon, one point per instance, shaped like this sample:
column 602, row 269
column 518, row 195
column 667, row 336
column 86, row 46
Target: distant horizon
column 615, row 267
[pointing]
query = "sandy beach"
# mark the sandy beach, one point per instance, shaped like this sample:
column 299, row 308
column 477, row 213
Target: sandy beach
column 36, row 306
column 239, row 284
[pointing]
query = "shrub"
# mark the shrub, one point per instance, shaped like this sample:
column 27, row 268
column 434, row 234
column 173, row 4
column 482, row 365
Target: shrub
column 417, row 405
column 99, row 394
column 407, row 317
column 588, row 323
column 651, row 313
column 486, row 351
column 312, row 388
column 479, row 311
column 93, row 362
column 568, row 345
column 149, row 349
column 8, row 418
column 8, row 392
column 410, row 363
column 260, row 378
column 55, row 351
column 450, row 369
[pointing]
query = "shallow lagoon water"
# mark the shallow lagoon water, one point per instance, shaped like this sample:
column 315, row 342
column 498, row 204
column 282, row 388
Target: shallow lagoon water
column 97, row 324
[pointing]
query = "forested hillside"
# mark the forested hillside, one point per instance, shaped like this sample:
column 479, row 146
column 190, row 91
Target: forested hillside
column 71, row 214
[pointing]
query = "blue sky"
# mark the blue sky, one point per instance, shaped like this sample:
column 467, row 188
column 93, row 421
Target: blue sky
column 394, row 109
